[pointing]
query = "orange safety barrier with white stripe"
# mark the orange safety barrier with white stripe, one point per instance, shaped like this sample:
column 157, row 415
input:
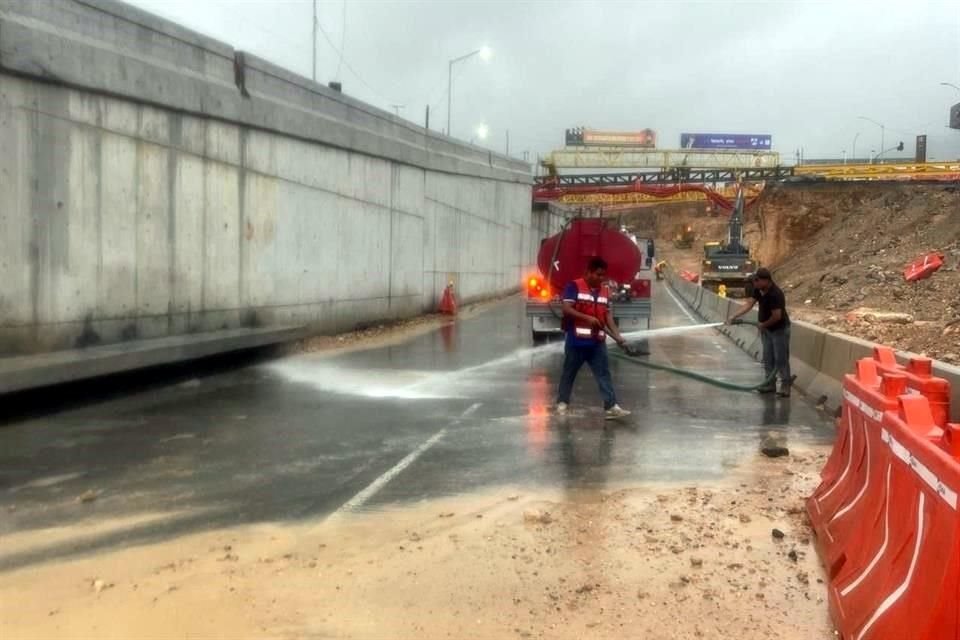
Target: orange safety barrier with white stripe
column 924, row 267
column 886, row 512
column 920, row 379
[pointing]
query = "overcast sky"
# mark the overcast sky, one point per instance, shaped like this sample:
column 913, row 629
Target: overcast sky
column 801, row 71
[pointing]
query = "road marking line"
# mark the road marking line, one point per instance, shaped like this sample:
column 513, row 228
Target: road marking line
column 374, row 487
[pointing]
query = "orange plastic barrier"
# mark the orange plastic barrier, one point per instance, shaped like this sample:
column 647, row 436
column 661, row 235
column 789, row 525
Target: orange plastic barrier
column 920, row 379
column 448, row 302
column 886, row 512
column 847, row 495
column 903, row 572
column 923, row 267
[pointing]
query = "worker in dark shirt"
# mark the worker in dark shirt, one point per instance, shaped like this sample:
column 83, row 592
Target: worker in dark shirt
column 774, row 331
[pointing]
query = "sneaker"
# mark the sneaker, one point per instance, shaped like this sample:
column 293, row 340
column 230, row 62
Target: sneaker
column 614, row 412
column 562, row 408
column 763, row 390
column 784, row 392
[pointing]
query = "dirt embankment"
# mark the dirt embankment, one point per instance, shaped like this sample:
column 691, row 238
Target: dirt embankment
column 840, row 248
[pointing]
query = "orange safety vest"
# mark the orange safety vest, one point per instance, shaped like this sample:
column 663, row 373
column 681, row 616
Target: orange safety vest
column 589, row 305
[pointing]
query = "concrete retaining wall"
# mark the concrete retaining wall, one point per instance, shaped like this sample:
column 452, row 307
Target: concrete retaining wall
column 818, row 357
column 156, row 182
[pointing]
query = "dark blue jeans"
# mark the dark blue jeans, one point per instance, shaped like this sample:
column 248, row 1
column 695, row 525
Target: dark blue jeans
column 776, row 355
column 596, row 358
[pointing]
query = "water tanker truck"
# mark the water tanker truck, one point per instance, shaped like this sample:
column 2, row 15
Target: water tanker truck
column 563, row 258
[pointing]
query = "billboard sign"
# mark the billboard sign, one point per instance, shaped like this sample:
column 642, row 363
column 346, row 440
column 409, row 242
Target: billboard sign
column 755, row 142
column 592, row 137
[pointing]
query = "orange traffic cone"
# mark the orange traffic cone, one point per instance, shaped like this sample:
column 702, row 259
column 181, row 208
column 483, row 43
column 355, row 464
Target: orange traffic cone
column 448, row 303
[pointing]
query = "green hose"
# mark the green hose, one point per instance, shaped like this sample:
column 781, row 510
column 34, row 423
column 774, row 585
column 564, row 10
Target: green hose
column 693, row 375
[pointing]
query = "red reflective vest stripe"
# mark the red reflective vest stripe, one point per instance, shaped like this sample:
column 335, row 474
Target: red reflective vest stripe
column 595, row 307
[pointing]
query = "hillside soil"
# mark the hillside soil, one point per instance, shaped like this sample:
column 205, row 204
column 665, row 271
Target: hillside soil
column 839, row 251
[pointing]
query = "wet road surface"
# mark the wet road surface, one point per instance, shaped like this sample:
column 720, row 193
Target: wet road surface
column 308, row 436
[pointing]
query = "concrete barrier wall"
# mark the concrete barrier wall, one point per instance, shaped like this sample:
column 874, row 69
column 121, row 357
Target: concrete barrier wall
column 818, row 357
column 154, row 182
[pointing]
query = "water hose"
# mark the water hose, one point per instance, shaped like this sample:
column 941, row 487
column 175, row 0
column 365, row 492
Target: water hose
column 693, row 375
column 632, row 357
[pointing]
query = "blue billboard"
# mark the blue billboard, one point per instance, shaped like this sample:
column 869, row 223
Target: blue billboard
column 754, row 142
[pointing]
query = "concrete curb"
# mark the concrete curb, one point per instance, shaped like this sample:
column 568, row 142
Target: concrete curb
column 819, row 358
column 58, row 367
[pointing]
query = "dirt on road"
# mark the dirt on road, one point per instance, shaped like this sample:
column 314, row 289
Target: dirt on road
column 653, row 562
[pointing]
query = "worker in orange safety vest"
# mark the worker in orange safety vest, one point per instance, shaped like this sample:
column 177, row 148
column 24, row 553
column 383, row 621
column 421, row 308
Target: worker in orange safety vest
column 586, row 321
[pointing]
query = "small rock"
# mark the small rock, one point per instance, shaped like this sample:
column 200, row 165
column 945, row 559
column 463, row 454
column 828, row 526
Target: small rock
column 513, row 498
column 774, row 451
column 448, row 514
column 777, row 534
column 803, row 577
column 793, row 555
column 696, row 562
column 535, row 516
column 88, row 496
column 99, row 585
column 676, row 517
column 744, row 518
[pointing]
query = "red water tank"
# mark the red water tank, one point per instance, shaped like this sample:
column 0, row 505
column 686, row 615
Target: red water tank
column 583, row 239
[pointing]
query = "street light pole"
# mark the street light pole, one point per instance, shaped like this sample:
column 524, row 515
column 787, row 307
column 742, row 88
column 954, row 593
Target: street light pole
column 950, row 84
column 483, row 52
column 883, row 130
column 315, row 23
column 853, row 156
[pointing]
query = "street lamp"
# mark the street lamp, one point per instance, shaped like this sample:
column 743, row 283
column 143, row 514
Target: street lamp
column 484, row 53
column 481, row 133
column 950, row 84
column 883, row 131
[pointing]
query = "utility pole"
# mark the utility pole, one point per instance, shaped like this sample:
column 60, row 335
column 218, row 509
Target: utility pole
column 508, row 142
column 315, row 23
column 427, row 119
column 397, row 107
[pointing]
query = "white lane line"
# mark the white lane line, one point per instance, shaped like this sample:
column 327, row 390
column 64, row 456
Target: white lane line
column 681, row 305
column 374, row 487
